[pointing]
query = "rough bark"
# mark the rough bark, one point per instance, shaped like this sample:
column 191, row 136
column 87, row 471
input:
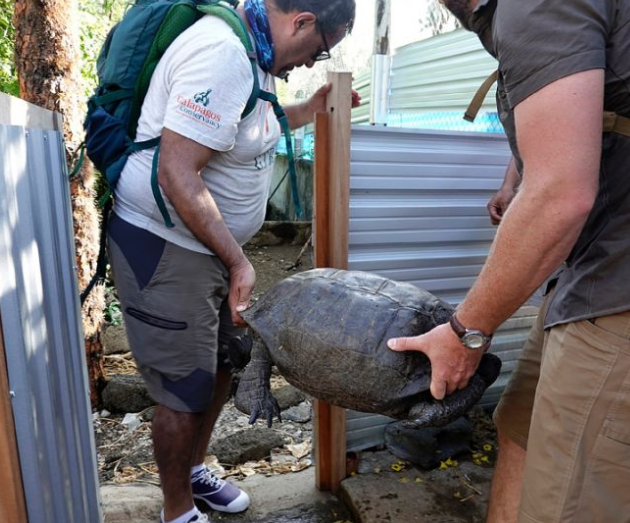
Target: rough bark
column 48, row 65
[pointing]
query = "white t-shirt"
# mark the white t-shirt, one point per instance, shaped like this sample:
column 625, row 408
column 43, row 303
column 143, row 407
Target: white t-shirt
column 199, row 90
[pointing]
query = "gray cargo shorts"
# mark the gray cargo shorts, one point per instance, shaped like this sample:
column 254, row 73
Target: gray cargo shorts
column 174, row 303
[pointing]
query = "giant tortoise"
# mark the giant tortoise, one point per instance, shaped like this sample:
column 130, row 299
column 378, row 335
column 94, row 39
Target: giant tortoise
column 326, row 330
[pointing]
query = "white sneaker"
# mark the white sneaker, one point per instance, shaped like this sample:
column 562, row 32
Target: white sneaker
column 217, row 494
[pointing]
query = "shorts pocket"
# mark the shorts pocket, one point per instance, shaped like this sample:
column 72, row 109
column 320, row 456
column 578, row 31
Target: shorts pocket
column 155, row 321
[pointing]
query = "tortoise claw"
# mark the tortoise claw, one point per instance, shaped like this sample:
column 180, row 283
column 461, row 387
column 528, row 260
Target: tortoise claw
column 266, row 407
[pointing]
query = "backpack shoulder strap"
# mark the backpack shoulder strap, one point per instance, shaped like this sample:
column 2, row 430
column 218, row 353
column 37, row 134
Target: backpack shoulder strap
column 180, row 16
column 614, row 123
column 231, row 17
column 480, row 96
column 234, row 21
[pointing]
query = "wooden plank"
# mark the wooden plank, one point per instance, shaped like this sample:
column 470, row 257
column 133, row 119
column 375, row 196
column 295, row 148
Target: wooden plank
column 321, row 252
column 339, row 105
column 332, row 174
column 12, row 505
column 321, row 182
column 14, row 111
column 321, row 445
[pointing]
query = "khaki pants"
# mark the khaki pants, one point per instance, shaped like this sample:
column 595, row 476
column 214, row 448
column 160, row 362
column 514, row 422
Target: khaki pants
column 568, row 404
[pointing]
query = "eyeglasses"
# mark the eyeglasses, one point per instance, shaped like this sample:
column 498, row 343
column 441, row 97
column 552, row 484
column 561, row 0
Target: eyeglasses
column 323, row 54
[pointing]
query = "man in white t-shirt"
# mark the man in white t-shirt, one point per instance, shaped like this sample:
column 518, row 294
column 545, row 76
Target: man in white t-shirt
column 182, row 288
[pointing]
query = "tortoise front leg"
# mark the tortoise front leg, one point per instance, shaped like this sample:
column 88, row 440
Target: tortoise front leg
column 434, row 413
column 254, row 396
column 240, row 351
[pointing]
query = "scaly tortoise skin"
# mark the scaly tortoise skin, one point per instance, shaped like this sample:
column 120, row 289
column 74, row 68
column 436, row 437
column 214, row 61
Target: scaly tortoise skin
column 326, row 330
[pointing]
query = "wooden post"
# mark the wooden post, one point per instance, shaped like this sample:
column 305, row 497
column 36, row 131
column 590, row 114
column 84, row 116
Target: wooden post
column 321, row 191
column 339, row 106
column 12, row 505
column 331, row 209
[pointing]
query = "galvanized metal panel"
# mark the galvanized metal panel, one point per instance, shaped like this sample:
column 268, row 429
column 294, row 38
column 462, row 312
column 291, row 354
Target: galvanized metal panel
column 441, row 73
column 42, row 333
column 363, row 85
column 418, row 214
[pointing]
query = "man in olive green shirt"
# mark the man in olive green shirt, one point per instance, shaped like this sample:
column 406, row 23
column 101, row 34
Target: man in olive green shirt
column 564, row 419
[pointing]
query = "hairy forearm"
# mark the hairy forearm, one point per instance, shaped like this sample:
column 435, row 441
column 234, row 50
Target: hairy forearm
column 534, row 238
column 299, row 115
column 199, row 212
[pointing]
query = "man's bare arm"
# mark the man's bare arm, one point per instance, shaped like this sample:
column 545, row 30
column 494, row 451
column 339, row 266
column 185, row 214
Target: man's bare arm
column 559, row 132
column 181, row 161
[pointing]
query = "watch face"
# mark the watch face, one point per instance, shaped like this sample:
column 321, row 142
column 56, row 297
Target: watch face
column 474, row 340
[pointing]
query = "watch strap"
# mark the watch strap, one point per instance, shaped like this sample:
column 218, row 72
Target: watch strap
column 461, row 331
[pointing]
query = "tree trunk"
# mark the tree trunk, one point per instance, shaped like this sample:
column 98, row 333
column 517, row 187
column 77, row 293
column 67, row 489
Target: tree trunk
column 48, row 65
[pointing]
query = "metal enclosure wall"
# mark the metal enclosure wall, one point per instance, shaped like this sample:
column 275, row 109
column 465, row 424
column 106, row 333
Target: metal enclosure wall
column 441, row 73
column 418, row 214
column 42, row 334
column 437, row 76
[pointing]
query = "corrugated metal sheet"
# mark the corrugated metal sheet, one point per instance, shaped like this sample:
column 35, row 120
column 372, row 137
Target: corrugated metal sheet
column 363, row 85
column 441, row 73
column 42, row 334
column 431, row 84
column 418, row 214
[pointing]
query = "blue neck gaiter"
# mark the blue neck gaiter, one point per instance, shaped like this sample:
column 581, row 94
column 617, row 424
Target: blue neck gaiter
column 256, row 13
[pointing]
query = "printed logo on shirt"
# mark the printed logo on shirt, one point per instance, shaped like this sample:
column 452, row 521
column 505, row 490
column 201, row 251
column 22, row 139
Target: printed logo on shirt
column 194, row 110
column 264, row 160
column 203, row 98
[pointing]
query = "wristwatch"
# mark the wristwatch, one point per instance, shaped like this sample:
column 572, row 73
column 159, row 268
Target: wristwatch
column 470, row 338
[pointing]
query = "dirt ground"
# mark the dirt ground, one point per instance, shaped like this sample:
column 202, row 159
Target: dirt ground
column 273, row 263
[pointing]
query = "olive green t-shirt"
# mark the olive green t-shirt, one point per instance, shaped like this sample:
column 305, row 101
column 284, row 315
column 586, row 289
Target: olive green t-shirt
column 537, row 42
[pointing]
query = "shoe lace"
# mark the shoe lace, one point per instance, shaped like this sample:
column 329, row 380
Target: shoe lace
column 208, row 478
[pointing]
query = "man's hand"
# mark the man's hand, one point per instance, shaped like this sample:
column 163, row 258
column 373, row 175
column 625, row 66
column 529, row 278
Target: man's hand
column 317, row 102
column 499, row 203
column 452, row 364
column 242, row 280
column 304, row 113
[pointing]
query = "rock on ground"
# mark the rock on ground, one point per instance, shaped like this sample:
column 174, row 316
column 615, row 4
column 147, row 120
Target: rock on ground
column 115, row 339
column 126, row 393
column 288, row 396
column 250, row 444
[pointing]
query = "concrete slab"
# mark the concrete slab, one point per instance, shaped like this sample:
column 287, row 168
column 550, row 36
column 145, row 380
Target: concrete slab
column 275, row 499
column 135, row 503
column 288, row 498
column 452, row 495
